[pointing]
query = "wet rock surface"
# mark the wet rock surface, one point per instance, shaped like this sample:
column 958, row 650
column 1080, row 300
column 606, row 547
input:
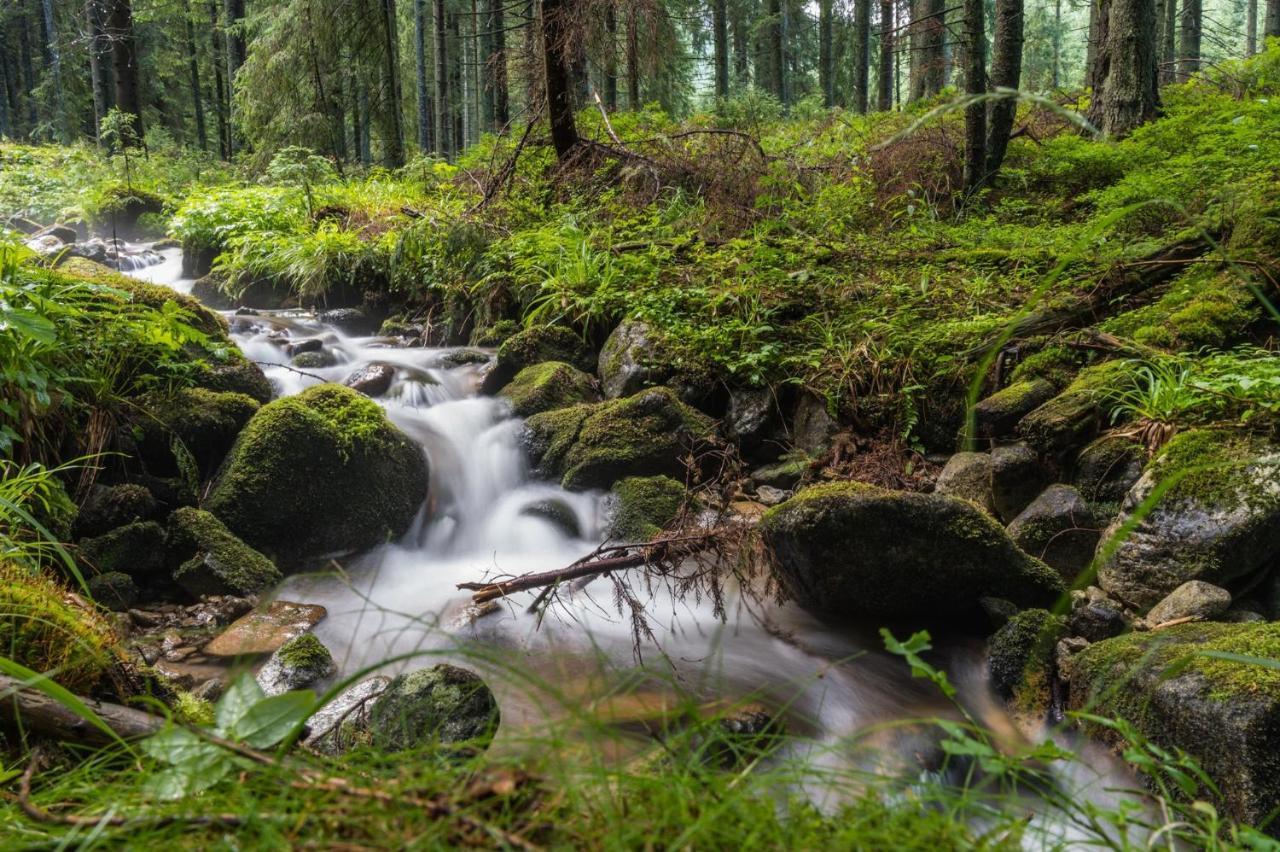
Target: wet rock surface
column 265, row 630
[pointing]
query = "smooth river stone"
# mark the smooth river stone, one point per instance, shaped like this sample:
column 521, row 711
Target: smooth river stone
column 263, row 631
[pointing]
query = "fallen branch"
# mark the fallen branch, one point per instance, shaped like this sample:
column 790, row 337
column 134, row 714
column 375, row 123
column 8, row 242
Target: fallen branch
column 22, row 705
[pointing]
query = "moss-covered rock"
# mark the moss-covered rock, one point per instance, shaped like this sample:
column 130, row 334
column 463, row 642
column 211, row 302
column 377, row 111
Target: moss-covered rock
column 111, row 506
column 236, row 375
column 547, row 386
column 968, row 476
column 136, row 549
column 298, row 663
column 642, row 506
column 210, row 560
column 1017, row 477
column 998, row 415
column 124, row 289
column 316, row 360
column 594, row 445
column 1060, row 528
column 1225, row 714
column 1220, row 522
column 496, row 334
column 443, row 705
column 534, row 346
column 130, row 211
column 1020, row 661
column 1203, row 307
column 206, row 423
column 1072, row 418
column 317, row 473
column 1106, row 469
column 855, row 550
column 114, row 591
column 47, row 629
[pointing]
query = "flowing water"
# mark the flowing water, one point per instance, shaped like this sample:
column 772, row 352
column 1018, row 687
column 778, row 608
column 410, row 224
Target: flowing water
column 830, row 686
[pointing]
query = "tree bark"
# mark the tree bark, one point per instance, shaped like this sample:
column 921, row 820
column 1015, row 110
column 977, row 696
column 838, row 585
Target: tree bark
column 720, row 38
column 611, row 57
column 420, row 67
column 975, row 84
column 557, row 79
column 861, row 55
column 233, row 40
column 1006, row 73
column 6, row 87
column 884, row 76
column 1190, row 23
column 98, row 49
column 193, row 67
column 773, row 50
column 1124, row 88
column 1167, row 52
column 928, row 61
column 35, row 711
column 219, row 85
column 124, row 60
column 28, row 70
column 1271, row 26
column 390, row 119
column 55, row 71
column 444, row 134
column 1250, row 27
column 498, row 66
column 826, row 81
column 741, row 51
column 1056, row 45
column 633, row 59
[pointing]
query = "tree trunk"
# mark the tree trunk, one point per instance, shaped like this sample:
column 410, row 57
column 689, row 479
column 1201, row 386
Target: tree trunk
column 55, row 69
column 1056, row 44
column 720, row 33
column 6, row 86
column 1271, row 25
column 420, row 58
column 193, row 65
column 633, row 59
column 928, row 61
column 611, row 57
column 826, row 66
column 99, row 80
column 124, row 60
column 1167, row 53
column 498, row 66
column 773, row 50
column 390, row 120
column 233, row 39
column 444, row 134
column 1124, row 93
column 219, row 85
column 975, row 85
column 28, row 71
column 557, row 79
column 1189, row 38
column 1006, row 73
column 1251, row 27
column 36, row 711
column 741, row 52
column 884, row 74
column 861, row 55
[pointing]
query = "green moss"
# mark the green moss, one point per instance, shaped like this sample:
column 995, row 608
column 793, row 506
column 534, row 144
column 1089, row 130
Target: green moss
column 304, row 652
column 1073, row 417
column 1203, row 307
column 1215, row 467
column 444, row 704
column 136, row 549
column 547, row 386
column 1020, row 659
column 212, row 561
column 114, row 591
column 543, row 343
column 591, row 446
column 190, row 710
column 133, row 290
column 496, row 334
column 644, row 506
column 320, row 472
column 46, row 629
column 205, row 421
column 235, row 375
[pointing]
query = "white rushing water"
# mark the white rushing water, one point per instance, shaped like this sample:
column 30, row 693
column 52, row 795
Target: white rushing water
column 829, row 685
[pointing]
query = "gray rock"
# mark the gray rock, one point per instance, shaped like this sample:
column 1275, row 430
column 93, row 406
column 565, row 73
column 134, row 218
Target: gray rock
column 298, row 663
column 63, row 233
column 1194, row 599
column 265, row 630
column 344, row 721
column 556, row 512
column 109, row 507
column 1106, row 469
column 784, row 474
column 770, row 496
column 628, row 361
column 1096, row 621
column 307, row 344
column 750, row 417
column 314, row 360
column 1060, row 528
column 967, row 475
column 1017, row 478
column 208, row 559
column 94, row 250
column 372, row 380
column 998, row 415
column 136, row 549
column 444, row 704
column 812, row 427
column 352, row 321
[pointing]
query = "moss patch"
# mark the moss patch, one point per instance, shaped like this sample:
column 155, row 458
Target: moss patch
column 304, row 652
column 210, row 560
column 548, row 386
column 1203, row 307
column 1072, row 418
column 644, row 506
column 1020, row 659
column 136, row 549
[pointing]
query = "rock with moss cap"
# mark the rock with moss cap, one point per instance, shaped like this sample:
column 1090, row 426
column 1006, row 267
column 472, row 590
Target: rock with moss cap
column 1061, row 528
column 1020, row 662
column 851, row 550
column 967, row 475
column 1106, row 469
column 112, row 506
column 296, row 664
column 1072, row 418
column 534, row 346
column 594, row 445
column 640, row 507
column 997, row 415
column 318, row 473
column 205, row 422
column 635, row 357
column 444, row 705
column 548, row 386
column 210, row 560
column 235, row 375
column 1225, row 714
column 136, row 549
column 114, row 590
column 1220, row 522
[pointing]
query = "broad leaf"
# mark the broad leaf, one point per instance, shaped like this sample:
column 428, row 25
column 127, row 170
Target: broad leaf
column 268, row 721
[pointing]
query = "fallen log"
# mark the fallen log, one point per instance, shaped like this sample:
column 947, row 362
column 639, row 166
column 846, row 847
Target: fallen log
column 23, row 705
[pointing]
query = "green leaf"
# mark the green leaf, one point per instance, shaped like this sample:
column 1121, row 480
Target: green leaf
column 239, row 698
column 268, row 721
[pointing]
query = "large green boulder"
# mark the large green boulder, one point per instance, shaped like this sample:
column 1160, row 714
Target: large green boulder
column 209, row 560
column 1072, row 418
column 1219, row 522
column 594, row 445
column 319, row 473
column 534, row 346
column 548, row 386
column 443, row 705
column 1020, row 661
column 136, row 549
column 204, row 422
column 1224, row 713
column 854, row 550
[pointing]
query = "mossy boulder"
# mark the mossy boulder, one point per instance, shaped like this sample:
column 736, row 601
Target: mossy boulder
column 130, row 211
column 112, row 506
column 1223, row 713
column 998, row 415
column 642, row 506
column 968, row 476
column 210, row 560
column 114, row 591
column 635, row 356
column 298, row 663
column 236, row 375
column 123, row 290
column 1072, row 418
column 496, row 334
column 205, row 422
column 594, row 445
column 852, row 550
column 1020, row 661
column 548, row 386
column 534, row 346
column 444, row 705
column 1203, row 307
column 1106, row 469
column 1017, row 477
column 136, row 549
column 1219, row 523
column 321, row 472
column 47, row 629
column 1060, row 528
